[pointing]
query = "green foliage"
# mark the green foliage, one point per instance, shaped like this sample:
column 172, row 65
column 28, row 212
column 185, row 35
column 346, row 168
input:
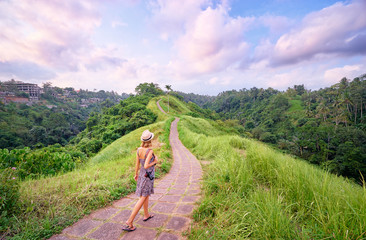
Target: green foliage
column 41, row 162
column 200, row 100
column 57, row 118
column 101, row 130
column 58, row 184
column 267, row 137
column 23, row 125
column 252, row 191
column 48, row 205
column 325, row 127
column 9, row 193
column 177, row 107
column 295, row 106
column 149, row 88
column 114, row 122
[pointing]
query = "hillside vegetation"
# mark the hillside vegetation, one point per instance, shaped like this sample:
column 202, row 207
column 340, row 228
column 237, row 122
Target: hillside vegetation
column 102, row 128
column 35, row 205
column 50, row 204
column 38, row 207
column 58, row 116
column 327, row 127
column 252, row 191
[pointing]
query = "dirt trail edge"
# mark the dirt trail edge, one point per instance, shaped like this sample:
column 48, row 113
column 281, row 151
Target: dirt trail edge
column 160, row 108
column 172, row 204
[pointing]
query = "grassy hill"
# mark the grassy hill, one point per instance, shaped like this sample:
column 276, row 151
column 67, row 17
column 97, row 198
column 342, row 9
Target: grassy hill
column 327, row 127
column 49, row 204
column 252, row 191
column 249, row 189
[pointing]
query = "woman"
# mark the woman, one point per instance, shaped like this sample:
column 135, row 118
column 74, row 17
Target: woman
column 145, row 180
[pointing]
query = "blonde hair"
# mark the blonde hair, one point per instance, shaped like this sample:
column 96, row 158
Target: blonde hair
column 146, row 144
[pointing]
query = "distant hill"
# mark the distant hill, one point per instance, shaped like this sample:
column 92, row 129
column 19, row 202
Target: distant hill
column 326, row 127
column 250, row 190
column 32, row 116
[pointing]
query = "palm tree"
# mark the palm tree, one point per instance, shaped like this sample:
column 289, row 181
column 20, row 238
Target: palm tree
column 168, row 88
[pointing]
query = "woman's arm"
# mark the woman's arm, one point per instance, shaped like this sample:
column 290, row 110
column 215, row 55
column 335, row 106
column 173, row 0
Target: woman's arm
column 137, row 166
column 147, row 162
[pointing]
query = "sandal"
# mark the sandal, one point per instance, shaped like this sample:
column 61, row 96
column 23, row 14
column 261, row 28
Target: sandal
column 151, row 216
column 128, row 229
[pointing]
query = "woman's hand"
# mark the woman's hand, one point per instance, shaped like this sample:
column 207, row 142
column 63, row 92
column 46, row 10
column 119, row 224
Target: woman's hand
column 156, row 160
column 135, row 177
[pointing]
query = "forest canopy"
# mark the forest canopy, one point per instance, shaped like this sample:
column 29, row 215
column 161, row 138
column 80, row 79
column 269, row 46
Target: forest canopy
column 326, row 127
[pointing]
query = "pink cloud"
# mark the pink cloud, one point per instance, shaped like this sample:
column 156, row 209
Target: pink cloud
column 50, row 33
column 212, row 42
column 206, row 38
column 334, row 75
column 339, row 30
column 171, row 17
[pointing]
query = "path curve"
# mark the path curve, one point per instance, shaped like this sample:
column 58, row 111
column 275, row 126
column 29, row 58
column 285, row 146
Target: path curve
column 160, row 108
column 173, row 204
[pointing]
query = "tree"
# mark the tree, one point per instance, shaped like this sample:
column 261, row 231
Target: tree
column 300, row 89
column 168, row 88
column 38, row 134
column 148, row 88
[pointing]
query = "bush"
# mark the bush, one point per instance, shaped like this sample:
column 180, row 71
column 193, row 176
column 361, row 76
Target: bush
column 268, row 137
column 9, row 191
column 90, row 146
column 249, row 125
column 41, row 162
column 257, row 132
column 193, row 114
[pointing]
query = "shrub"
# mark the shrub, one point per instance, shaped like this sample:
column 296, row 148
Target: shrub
column 268, row 137
column 9, row 191
column 193, row 114
column 257, row 132
column 41, row 162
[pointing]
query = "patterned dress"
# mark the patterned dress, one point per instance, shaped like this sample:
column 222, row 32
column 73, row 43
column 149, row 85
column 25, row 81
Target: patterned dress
column 145, row 186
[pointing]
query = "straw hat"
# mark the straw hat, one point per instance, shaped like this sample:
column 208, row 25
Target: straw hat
column 147, row 136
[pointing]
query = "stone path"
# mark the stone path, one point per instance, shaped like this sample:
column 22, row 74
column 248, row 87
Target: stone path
column 172, row 204
column 161, row 109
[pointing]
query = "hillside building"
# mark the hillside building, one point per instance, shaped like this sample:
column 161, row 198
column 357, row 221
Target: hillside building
column 32, row 89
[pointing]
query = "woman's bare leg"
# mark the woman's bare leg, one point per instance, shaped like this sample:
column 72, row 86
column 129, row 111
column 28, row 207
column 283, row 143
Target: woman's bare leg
column 146, row 208
column 135, row 210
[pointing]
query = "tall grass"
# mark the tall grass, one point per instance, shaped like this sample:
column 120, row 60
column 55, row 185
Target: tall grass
column 153, row 107
column 176, row 107
column 253, row 191
column 50, row 204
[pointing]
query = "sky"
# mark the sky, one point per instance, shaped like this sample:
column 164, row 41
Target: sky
column 199, row 46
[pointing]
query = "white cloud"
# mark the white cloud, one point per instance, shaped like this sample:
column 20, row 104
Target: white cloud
column 212, row 43
column 213, row 80
column 171, row 17
column 42, row 32
column 339, row 30
column 334, row 75
column 198, row 47
column 206, row 38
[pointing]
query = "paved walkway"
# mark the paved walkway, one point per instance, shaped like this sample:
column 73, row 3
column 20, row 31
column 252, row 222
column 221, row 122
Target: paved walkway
column 172, row 204
column 161, row 109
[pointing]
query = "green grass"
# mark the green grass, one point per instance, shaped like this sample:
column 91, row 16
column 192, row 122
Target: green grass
column 252, row 191
column 296, row 105
column 50, row 204
column 176, row 107
column 153, row 107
